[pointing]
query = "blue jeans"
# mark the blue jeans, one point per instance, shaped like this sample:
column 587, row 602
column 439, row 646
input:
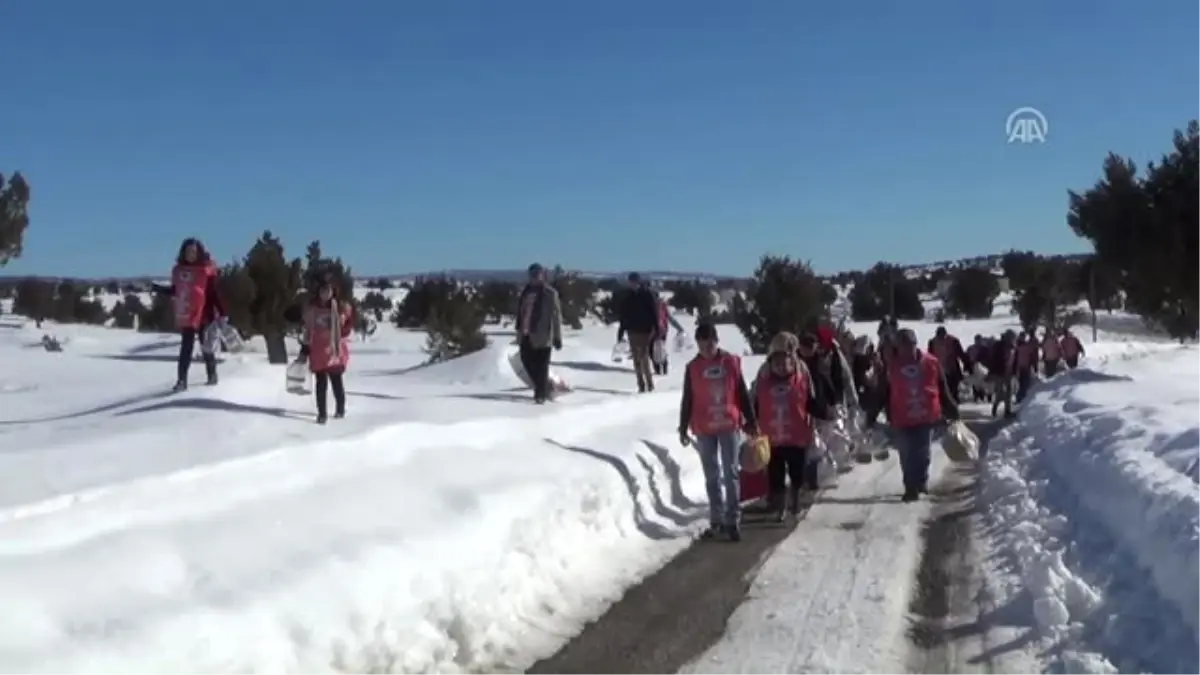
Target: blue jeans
column 913, row 446
column 719, row 456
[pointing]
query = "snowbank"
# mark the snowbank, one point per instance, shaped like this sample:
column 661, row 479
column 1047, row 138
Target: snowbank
column 446, row 525
column 1094, row 498
column 414, row 549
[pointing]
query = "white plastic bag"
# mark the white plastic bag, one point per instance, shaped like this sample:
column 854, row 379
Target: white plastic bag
column 210, row 338
column 682, row 342
column 230, row 338
column 959, row 443
column 837, row 442
column 620, row 352
column 557, row 384
column 659, row 352
column 827, row 470
column 978, row 378
column 296, row 378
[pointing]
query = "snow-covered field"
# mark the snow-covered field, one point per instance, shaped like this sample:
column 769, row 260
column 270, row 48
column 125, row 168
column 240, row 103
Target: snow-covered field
column 443, row 525
column 450, row 525
column 1093, row 505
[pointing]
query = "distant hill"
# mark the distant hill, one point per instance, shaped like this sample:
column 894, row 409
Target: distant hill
column 518, row 275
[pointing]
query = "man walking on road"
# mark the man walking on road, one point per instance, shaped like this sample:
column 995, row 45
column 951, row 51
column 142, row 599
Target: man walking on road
column 638, row 317
column 539, row 328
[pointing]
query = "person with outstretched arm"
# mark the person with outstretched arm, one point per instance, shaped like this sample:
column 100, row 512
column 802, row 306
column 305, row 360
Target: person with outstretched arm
column 917, row 399
column 716, row 407
column 198, row 306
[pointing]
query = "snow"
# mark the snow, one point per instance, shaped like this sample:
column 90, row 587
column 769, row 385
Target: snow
column 833, row 597
column 445, row 525
column 448, row 525
column 1093, row 502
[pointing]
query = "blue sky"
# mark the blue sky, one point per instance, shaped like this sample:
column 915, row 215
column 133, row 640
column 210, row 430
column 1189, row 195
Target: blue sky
column 411, row 135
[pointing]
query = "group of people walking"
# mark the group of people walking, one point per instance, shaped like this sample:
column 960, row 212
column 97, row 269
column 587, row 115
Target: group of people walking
column 801, row 385
column 324, row 320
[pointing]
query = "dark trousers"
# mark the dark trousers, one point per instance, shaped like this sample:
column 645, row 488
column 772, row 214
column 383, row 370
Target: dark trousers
column 187, row 344
column 1050, row 367
column 788, row 464
column 324, row 380
column 1072, row 362
column 536, row 361
column 954, row 380
column 639, row 351
column 1024, row 382
column 914, row 448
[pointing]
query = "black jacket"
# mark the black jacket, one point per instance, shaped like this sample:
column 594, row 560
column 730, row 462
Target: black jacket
column 638, row 312
column 829, row 386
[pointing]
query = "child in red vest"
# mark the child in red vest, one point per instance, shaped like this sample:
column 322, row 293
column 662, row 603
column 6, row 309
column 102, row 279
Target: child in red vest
column 786, row 406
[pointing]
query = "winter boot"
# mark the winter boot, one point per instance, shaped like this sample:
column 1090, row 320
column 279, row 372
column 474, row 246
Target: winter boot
column 795, row 500
column 180, row 385
column 778, row 506
column 734, row 533
column 210, row 369
column 321, row 418
column 712, row 532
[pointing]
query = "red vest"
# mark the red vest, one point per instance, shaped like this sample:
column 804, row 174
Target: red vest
column 1051, row 349
column 715, row 383
column 191, row 289
column 915, row 395
column 1070, row 346
column 663, row 323
column 783, row 409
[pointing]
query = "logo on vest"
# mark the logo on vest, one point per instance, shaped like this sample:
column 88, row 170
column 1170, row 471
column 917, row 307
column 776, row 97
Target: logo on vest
column 714, row 372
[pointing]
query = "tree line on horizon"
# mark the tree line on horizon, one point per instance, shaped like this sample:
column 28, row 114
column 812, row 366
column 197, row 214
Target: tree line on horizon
column 1142, row 226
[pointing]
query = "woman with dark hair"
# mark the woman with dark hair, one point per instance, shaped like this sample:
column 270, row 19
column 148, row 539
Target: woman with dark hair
column 197, row 306
column 327, row 327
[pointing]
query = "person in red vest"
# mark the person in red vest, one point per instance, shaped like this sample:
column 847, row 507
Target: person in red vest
column 198, row 306
column 918, row 399
column 1072, row 349
column 786, row 406
column 1051, row 353
column 327, row 326
column 950, row 353
column 716, row 407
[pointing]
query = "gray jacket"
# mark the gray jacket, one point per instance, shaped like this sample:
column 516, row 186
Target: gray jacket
column 545, row 322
